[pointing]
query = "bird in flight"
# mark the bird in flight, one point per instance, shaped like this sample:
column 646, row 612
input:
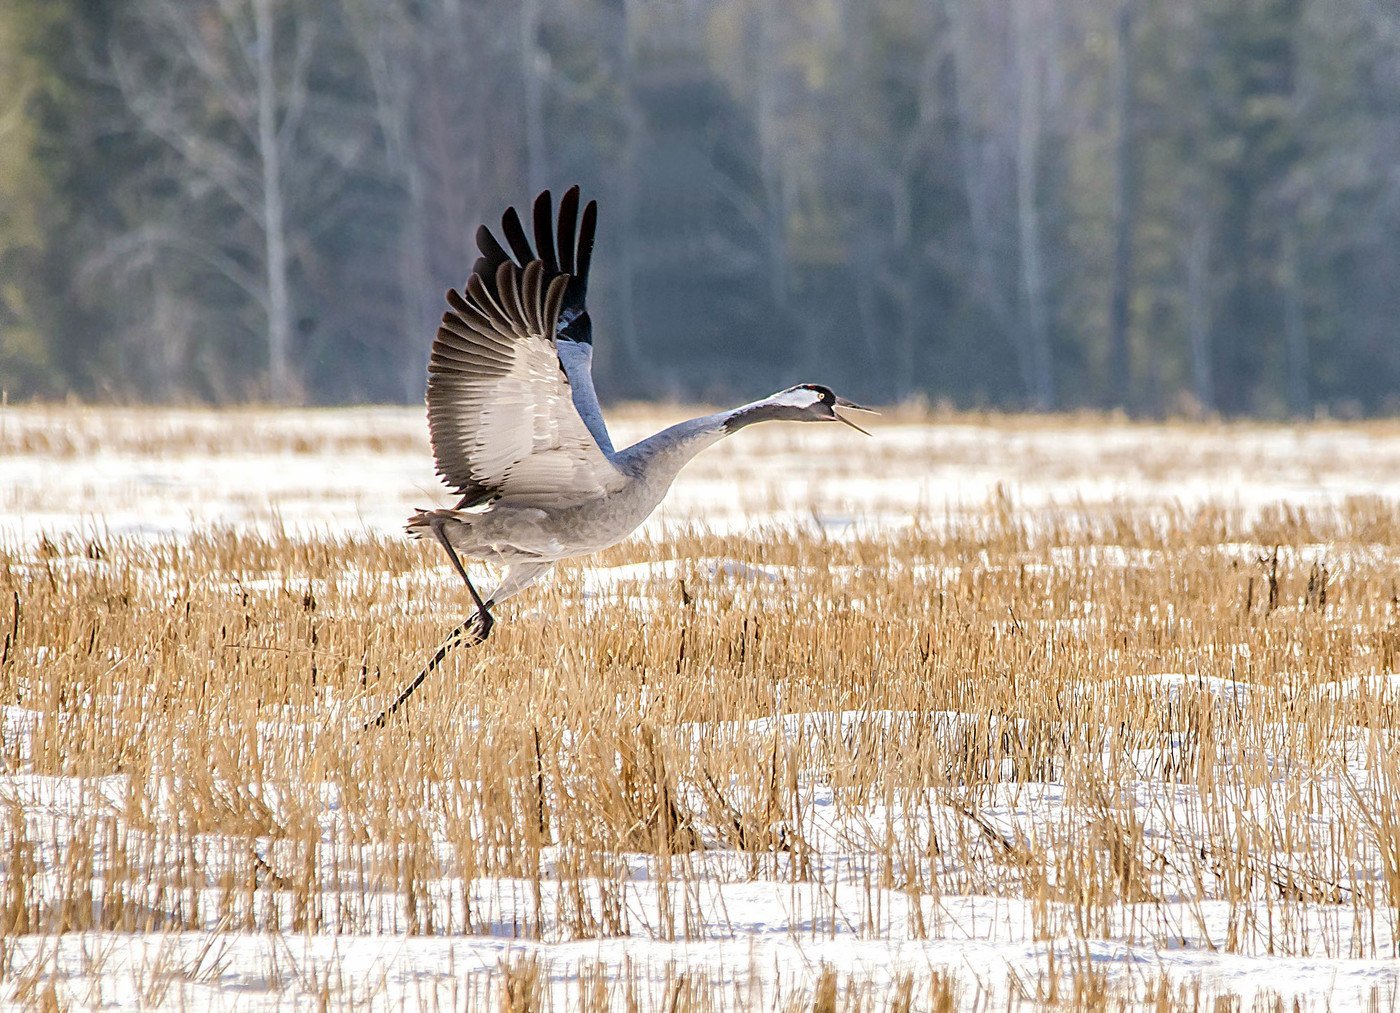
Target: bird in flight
column 516, row 428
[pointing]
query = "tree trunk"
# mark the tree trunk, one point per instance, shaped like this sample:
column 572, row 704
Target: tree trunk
column 1294, row 332
column 536, row 167
column 900, row 287
column 633, row 364
column 1125, row 209
column 279, row 314
column 1198, row 314
column 1037, row 370
column 979, row 152
column 418, row 299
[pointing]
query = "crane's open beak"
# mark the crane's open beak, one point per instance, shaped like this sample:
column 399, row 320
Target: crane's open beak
column 841, row 402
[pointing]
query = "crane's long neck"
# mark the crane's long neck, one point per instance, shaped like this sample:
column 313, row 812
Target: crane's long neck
column 577, row 360
column 660, row 458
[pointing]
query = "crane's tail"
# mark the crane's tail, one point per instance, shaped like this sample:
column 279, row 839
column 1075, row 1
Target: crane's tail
column 422, row 523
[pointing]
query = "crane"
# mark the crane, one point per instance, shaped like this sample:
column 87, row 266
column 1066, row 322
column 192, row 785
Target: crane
column 516, row 428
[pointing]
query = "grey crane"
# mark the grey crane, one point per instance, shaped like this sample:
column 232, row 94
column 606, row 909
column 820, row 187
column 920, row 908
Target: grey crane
column 516, row 428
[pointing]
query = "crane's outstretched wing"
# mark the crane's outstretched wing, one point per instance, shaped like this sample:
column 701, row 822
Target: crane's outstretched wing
column 500, row 406
column 571, row 254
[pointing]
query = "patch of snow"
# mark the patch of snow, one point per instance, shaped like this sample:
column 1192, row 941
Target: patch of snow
column 1383, row 685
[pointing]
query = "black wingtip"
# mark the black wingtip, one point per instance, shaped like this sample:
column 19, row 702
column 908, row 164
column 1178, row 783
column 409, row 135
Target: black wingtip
column 491, row 251
column 515, row 236
column 586, row 231
column 544, row 231
column 568, row 220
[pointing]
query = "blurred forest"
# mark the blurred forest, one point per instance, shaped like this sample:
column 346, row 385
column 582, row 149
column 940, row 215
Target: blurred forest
column 1158, row 205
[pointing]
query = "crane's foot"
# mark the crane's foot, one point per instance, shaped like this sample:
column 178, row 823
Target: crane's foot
column 472, row 632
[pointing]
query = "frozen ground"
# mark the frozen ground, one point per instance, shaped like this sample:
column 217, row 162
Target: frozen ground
column 754, row 940
column 141, row 472
column 747, row 929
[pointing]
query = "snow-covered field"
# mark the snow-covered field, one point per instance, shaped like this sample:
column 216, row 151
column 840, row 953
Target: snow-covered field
column 153, row 472
column 988, row 713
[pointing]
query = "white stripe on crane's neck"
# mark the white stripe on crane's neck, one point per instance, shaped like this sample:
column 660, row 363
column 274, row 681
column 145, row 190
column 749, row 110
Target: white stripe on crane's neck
column 798, row 397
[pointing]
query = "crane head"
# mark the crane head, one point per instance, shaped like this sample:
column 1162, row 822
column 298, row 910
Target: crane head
column 822, row 404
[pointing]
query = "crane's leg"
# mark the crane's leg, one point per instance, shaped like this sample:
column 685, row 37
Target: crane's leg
column 475, row 629
column 481, row 619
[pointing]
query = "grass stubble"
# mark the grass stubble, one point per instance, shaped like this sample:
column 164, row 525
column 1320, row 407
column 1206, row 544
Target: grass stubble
column 883, row 728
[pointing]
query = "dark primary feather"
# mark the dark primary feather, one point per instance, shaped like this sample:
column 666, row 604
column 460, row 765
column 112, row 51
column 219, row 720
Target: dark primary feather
column 568, row 218
column 544, row 232
column 584, row 250
column 515, row 236
column 492, row 255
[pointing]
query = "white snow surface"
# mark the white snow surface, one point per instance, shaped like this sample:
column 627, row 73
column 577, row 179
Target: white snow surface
column 754, row 930
column 152, row 473
column 755, row 936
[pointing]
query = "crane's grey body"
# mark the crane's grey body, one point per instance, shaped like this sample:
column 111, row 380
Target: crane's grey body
column 516, row 427
column 509, row 533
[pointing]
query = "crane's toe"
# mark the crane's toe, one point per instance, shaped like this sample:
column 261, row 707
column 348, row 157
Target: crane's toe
column 481, row 625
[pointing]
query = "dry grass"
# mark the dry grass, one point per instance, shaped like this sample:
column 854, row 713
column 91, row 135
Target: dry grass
column 880, row 726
